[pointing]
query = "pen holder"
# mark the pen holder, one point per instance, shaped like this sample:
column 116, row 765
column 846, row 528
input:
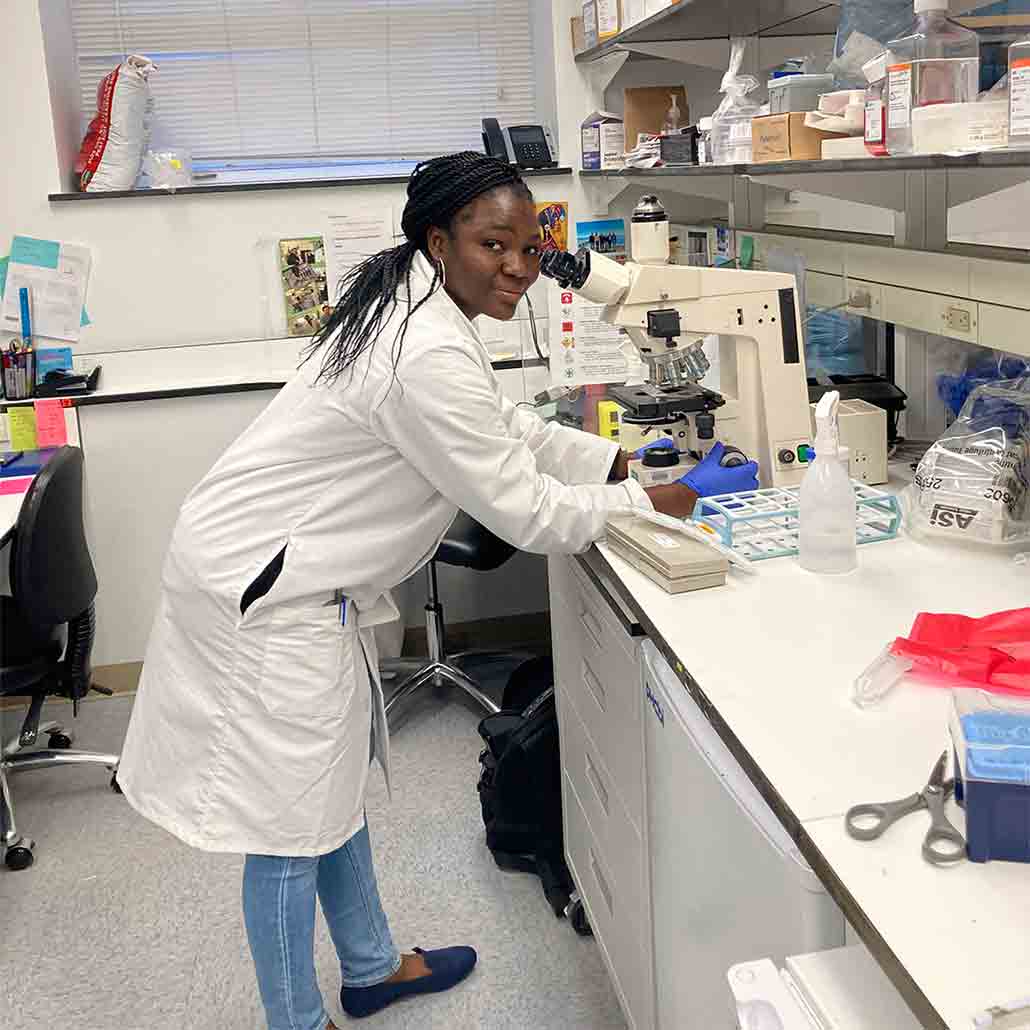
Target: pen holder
column 19, row 374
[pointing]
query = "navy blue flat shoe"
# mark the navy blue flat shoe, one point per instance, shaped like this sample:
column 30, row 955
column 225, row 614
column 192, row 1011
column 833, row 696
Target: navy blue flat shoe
column 447, row 967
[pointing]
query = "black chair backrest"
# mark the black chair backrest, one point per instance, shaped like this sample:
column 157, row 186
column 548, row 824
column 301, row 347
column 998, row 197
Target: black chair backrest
column 52, row 575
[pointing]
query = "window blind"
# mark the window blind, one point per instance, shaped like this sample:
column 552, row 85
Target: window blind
column 361, row 79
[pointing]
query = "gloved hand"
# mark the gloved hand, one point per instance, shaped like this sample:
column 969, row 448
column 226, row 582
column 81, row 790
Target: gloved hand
column 663, row 443
column 710, row 478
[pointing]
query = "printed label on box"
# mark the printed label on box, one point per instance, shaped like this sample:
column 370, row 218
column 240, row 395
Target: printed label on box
column 899, row 91
column 1019, row 98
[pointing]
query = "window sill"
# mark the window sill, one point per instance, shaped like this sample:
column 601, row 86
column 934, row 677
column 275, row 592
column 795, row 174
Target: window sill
column 215, row 186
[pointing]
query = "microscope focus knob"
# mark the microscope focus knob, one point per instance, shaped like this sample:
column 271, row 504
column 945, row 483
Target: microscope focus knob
column 705, row 424
column 733, row 457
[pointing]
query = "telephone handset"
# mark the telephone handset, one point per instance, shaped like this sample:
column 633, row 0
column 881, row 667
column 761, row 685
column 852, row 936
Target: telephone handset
column 528, row 146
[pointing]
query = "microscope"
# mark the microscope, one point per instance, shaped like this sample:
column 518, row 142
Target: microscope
column 762, row 409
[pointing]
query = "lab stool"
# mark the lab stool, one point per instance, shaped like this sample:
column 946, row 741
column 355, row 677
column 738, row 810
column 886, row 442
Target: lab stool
column 472, row 546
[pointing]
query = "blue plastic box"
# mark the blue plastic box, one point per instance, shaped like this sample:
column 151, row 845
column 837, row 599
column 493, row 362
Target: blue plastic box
column 991, row 735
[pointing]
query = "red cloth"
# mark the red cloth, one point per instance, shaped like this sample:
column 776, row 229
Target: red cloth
column 993, row 651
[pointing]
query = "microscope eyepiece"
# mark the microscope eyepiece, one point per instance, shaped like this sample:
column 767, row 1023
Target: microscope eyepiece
column 570, row 271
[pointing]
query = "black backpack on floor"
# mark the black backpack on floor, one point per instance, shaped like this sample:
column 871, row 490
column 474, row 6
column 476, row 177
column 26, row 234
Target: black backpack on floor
column 520, row 782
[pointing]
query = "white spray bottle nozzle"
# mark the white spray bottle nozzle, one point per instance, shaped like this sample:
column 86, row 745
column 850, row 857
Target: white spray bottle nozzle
column 826, row 438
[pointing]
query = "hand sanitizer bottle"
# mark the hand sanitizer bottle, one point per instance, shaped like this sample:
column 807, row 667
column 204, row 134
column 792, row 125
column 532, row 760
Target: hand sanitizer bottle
column 827, row 530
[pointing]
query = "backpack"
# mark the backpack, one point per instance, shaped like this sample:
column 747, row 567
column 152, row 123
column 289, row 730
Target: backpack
column 520, row 783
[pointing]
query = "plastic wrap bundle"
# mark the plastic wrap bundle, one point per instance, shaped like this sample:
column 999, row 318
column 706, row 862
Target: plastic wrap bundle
column 974, row 482
column 863, row 31
column 112, row 152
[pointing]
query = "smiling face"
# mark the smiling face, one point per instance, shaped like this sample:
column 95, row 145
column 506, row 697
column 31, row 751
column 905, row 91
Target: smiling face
column 491, row 253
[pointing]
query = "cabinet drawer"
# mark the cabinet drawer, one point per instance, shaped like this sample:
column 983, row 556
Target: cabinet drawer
column 614, row 632
column 617, row 922
column 602, row 683
column 620, row 842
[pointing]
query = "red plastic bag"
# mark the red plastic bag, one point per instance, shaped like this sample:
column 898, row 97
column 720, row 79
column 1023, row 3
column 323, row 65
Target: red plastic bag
column 993, row 651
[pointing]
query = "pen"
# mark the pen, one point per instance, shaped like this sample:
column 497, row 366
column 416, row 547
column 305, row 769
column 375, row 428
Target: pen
column 26, row 318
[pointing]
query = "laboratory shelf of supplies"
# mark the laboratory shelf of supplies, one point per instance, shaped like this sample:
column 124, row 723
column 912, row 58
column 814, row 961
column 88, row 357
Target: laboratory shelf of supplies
column 760, row 524
column 719, row 19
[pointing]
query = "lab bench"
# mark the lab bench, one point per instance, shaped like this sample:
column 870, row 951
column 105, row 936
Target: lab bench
column 769, row 661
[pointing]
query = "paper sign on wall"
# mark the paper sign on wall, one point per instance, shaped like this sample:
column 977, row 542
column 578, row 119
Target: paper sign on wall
column 586, row 350
column 51, row 429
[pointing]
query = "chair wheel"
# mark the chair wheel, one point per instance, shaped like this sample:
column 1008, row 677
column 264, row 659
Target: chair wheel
column 59, row 741
column 578, row 918
column 19, row 857
column 114, row 784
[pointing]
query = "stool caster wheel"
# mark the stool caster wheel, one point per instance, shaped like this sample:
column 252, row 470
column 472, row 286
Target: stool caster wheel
column 20, row 856
column 577, row 916
column 114, row 784
column 59, row 741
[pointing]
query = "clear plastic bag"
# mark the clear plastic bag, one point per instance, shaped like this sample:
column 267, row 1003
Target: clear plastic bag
column 864, row 29
column 168, row 169
column 731, row 123
column 973, row 484
column 977, row 369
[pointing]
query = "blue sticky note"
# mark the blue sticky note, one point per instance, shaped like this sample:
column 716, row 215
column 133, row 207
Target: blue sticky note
column 25, row 250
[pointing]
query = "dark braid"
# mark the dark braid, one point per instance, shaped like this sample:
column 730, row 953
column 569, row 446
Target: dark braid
column 437, row 191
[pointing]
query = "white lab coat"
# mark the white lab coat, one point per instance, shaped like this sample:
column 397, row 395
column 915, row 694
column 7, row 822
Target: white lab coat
column 250, row 733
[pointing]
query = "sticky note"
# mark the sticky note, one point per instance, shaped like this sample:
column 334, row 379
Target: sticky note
column 15, row 485
column 51, row 430
column 22, row 420
column 4, row 262
column 25, row 250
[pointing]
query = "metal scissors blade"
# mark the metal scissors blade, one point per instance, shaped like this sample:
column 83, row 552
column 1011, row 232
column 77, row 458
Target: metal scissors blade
column 943, row 844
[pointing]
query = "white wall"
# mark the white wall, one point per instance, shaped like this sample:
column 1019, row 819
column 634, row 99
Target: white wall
column 170, row 271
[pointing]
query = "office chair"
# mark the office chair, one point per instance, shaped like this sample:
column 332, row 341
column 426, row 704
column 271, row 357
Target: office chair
column 46, row 631
column 472, row 546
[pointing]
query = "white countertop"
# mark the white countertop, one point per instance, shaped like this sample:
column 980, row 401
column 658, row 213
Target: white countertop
column 776, row 655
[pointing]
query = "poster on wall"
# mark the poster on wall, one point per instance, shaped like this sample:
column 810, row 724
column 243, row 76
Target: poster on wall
column 605, row 236
column 553, row 216
column 304, row 285
column 586, row 350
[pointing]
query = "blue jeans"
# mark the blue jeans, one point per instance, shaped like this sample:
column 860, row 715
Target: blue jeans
column 279, row 910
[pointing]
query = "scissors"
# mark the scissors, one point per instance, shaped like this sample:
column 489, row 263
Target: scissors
column 943, row 845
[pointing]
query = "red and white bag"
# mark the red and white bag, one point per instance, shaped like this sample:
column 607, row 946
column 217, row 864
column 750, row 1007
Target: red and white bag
column 111, row 155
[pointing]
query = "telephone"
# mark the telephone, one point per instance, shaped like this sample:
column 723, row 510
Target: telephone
column 528, row 146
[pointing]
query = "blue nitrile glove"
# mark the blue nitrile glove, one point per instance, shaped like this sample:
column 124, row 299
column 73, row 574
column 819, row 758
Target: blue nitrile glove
column 710, row 478
column 663, row 443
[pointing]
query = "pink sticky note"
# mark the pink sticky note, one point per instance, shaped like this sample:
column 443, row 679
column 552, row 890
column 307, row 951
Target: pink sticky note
column 51, row 430
column 15, row 485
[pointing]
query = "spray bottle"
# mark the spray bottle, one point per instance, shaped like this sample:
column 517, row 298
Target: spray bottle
column 827, row 531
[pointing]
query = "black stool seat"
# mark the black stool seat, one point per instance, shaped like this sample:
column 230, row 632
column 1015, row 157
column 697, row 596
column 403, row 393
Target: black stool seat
column 472, row 546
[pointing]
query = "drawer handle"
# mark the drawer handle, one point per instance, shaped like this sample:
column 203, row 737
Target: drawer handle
column 602, row 883
column 593, row 628
column 597, row 783
column 593, row 684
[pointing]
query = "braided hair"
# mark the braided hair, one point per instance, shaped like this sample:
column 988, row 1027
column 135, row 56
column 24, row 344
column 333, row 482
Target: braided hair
column 437, row 191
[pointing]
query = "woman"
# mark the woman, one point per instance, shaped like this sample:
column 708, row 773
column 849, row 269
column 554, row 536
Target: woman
column 251, row 729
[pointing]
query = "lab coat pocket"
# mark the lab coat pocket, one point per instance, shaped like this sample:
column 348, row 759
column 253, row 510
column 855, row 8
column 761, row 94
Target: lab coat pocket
column 306, row 672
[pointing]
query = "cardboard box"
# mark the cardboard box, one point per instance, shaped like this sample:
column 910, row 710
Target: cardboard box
column 603, row 142
column 645, row 108
column 785, row 137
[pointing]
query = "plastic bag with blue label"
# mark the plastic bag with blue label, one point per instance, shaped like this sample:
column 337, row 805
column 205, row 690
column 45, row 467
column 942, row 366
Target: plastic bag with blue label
column 863, row 31
column 973, row 484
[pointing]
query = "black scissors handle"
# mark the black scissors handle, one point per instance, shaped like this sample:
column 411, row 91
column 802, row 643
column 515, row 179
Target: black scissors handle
column 943, row 845
column 870, row 822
